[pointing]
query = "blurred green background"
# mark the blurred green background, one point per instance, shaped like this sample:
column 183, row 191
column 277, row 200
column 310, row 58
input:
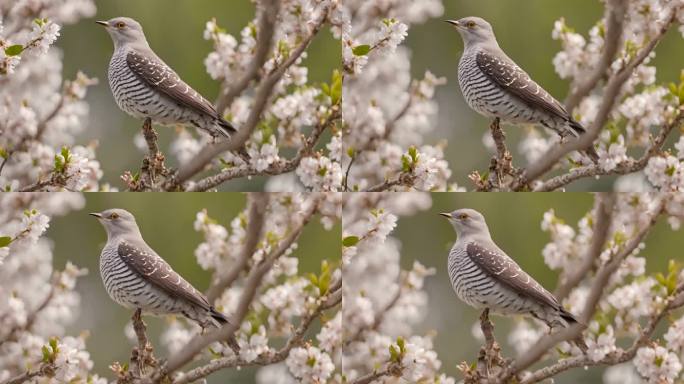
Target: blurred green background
column 514, row 221
column 174, row 30
column 166, row 222
column 523, row 29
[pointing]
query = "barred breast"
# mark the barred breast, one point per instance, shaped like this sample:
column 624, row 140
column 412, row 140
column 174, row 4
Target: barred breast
column 135, row 97
column 486, row 97
column 128, row 289
column 478, row 289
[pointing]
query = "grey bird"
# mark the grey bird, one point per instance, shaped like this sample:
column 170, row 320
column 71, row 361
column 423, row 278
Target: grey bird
column 145, row 87
column 136, row 277
column 485, row 277
column 496, row 87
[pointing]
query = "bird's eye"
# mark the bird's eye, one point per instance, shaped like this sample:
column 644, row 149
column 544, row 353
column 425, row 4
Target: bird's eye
column 462, row 216
column 114, row 216
column 120, row 24
column 470, row 24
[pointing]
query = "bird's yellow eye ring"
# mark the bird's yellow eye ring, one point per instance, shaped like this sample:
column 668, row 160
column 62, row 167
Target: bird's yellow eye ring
column 470, row 24
column 114, row 216
column 462, row 216
column 120, row 24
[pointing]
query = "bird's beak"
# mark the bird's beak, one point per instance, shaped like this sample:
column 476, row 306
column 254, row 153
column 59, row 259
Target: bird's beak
column 453, row 22
column 104, row 23
column 447, row 215
column 98, row 215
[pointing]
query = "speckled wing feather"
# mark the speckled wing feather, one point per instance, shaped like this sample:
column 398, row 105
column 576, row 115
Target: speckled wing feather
column 155, row 270
column 513, row 79
column 508, row 272
column 162, row 78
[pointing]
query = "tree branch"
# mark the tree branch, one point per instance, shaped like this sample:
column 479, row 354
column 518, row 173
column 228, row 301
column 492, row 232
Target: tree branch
column 628, row 166
column 261, row 99
column 255, row 223
column 142, row 355
column 332, row 298
column 615, row 17
column 264, row 37
column 195, row 346
column 275, row 168
column 46, row 369
column 574, row 331
column 603, row 214
column 610, row 96
column 671, row 303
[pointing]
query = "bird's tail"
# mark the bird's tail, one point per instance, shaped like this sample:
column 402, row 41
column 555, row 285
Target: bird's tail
column 570, row 319
column 226, row 127
column 222, row 319
column 578, row 130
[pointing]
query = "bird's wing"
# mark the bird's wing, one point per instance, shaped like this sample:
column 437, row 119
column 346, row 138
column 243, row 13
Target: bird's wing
column 146, row 263
column 162, row 78
column 498, row 265
column 504, row 72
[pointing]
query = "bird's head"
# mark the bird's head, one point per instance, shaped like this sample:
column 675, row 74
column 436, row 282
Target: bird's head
column 124, row 30
column 473, row 30
column 467, row 222
column 117, row 222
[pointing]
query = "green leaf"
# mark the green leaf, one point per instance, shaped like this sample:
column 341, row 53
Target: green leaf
column 350, row 241
column 14, row 50
column 46, row 354
column 324, row 279
column 405, row 163
column 336, row 88
column 394, row 354
column 5, row 241
column 413, row 152
column 402, row 344
column 361, row 50
column 3, row 153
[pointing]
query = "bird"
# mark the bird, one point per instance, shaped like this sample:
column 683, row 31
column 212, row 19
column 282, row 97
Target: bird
column 496, row 87
column 136, row 277
column 144, row 86
column 485, row 277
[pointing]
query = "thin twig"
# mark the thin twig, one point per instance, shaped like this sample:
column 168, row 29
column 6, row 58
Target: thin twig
column 46, row 369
